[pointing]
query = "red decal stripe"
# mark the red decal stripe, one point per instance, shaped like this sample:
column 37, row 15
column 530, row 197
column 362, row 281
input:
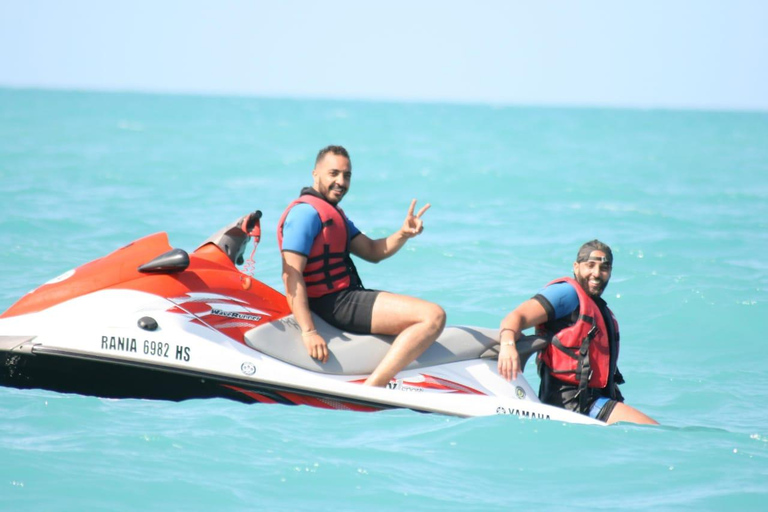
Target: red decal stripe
column 256, row 396
column 432, row 382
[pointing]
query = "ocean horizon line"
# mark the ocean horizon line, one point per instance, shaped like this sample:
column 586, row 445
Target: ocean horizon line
column 440, row 102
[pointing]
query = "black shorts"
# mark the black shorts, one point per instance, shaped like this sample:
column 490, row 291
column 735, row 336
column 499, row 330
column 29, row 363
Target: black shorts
column 350, row 309
column 560, row 394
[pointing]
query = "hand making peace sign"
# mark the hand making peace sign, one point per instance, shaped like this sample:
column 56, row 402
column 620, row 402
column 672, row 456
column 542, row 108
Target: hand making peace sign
column 413, row 224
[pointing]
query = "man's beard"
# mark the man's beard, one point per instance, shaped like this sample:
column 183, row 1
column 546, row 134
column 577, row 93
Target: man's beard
column 592, row 291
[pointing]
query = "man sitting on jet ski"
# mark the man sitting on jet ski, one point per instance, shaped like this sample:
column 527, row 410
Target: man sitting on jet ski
column 578, row 368
column 316, row 239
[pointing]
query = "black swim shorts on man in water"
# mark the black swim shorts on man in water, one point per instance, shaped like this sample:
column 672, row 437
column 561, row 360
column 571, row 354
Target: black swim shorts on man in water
column 350, row 309
column 560, row 394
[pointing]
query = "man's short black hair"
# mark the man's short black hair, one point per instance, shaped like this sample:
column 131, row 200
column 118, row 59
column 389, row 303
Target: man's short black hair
column 594, row 245
column 336, row 150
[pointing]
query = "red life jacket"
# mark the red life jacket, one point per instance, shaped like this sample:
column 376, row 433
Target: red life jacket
column 327, row 269
column 580, row 354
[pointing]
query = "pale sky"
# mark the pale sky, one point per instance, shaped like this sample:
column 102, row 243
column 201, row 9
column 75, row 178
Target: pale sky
column 646, row 54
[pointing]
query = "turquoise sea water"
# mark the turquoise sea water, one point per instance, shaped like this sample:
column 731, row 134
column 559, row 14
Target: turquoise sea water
column 682, row 197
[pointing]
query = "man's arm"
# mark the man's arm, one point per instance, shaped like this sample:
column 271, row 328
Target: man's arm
column 376, row 250
column 526, row 315
column 382, row 248
column 296, row 293
column 551, row 303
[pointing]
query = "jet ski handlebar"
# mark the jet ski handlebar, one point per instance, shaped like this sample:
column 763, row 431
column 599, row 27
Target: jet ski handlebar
column 233, row 238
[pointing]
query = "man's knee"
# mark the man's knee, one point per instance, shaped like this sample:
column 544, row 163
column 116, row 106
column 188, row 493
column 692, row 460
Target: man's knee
column 436, row 317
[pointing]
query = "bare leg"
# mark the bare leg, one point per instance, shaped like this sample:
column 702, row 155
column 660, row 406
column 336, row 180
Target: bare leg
column 623, row 412
column 415, row 322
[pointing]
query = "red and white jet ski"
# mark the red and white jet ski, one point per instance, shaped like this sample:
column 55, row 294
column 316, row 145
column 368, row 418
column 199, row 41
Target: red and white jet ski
column 149, row 321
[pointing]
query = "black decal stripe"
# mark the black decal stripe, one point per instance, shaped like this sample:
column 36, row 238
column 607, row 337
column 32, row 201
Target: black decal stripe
column 113, row 377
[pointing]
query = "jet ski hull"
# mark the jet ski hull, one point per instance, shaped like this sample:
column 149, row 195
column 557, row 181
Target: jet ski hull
column 193, row 326
column 114, row 378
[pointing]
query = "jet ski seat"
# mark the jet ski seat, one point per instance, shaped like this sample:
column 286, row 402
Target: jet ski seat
column 359, row 354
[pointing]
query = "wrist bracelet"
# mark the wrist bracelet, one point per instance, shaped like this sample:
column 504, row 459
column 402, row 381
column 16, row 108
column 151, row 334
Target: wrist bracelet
column 508, row 342
column 309, row 333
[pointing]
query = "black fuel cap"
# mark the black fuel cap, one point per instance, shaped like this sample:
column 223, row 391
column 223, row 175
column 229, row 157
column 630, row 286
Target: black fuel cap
column 148, row 323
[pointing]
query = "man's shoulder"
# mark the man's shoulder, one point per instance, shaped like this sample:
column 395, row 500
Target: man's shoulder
column 302, row 215
column 302, row 210
column 559, row 288
column 559, row 299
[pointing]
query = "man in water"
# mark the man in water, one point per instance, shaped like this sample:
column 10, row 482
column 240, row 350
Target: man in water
column 316, row 239
column 578, row 369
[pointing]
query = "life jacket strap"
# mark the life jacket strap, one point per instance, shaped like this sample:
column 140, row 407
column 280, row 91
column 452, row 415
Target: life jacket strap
column 333, row 266
column 326, row 256
column 584, row 369
column 573, row 353
column 326, row 268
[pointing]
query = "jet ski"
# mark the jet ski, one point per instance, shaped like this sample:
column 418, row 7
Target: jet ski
column 150, row 321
